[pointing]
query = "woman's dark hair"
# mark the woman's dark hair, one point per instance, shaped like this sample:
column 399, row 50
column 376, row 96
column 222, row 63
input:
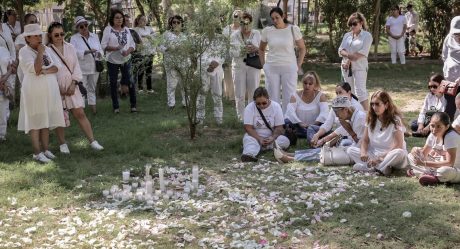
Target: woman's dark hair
column 346, row 86
column 27, row 16
column 53, row 26
column 396, row 7
column 112, row 16
column 390, row 115
column 437, row 78
column 260, row 92
column 138, row 17
column 8, row 13
column 175, row 17
column 445, row 120
column 246, row 15
column 280, row 12
column 357, row 16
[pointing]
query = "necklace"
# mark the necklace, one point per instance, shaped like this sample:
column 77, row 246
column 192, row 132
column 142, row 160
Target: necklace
column 308, row 98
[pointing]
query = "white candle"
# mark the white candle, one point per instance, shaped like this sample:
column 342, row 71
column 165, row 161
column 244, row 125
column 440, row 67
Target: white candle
column 147, row 169
column 105, row 193
column 135, row 184
column 169, row 192
column 195, row 173
column 148, row 187
column 162, row 180
column 126, row 175
column 158, row 193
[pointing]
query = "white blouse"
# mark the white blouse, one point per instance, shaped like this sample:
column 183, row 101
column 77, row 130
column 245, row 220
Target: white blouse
column 13, row 30
column 6, row 41
column 87, row 62
column 147, row 34
column 114, row 38
column 451, row 58
column 359, row 44
column 237, row 43
column 281, row 44
column 307, row 113
column 431, row 103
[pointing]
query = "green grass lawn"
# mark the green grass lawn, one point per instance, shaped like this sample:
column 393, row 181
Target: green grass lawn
column 299, row 205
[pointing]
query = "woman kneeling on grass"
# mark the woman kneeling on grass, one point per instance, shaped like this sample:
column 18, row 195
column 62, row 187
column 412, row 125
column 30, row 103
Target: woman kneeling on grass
column 382, row 146
column 353, row 125
column 263, row 123
column 439, row 160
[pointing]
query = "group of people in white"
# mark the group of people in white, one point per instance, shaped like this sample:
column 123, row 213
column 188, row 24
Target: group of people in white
column 50, row 71
column 372, row 130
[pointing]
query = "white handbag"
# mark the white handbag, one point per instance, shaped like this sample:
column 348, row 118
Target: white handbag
column 334, row 156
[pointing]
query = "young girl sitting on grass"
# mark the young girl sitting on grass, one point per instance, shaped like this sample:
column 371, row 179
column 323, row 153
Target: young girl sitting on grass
column 439, row 160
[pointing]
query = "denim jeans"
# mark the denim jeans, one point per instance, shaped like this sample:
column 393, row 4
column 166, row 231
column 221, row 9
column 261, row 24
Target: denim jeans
column 126, row 79
column 301, row 132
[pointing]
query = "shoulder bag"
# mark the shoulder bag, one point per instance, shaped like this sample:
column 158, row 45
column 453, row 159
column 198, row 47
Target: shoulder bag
column 82, row 88
column 449, row 87
column 99, row 64
column 252, row 60
column 334, row 156
column 264, row 119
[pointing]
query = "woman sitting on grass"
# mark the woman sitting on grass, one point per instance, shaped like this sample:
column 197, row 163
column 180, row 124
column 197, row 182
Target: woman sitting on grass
column 342, row 89
column 308, row 108
column 263, row 123
column 439, row 160
column 353, row 125
column 382, row 146
column 434, row 102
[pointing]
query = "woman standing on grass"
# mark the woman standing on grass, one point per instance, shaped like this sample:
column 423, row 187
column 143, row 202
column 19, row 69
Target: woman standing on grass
column 263, row 123
column 144, row 65
column 451, row 58
column 396, row 29
column 11, row 22
column 41, row 105
column 89, row 50
column 434, row 102
column 308, row 108
column 228, row 31
column 439, row 160
column 68, row 76
column 21, row 41
column 382, row 146
column 246, row 79
column 354, row 51
column 119, row 44
column 281, row 65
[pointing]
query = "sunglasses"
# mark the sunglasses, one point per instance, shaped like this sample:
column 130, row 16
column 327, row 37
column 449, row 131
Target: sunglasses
column 308, row 83
column 456, row 34
column 59, row 34
column 176, row 22
column 245, row 23
column 83, row 26
column 376, row 104
column 353, row 24
column 432, row 87
column 236, row 16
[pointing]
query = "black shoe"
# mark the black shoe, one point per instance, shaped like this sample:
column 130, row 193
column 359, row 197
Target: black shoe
column 417, row 134
column 248, row 158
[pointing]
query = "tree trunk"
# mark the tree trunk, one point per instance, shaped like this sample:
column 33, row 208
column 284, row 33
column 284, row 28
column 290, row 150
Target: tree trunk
column 307, row 23
column 140, row 7
column 107, row 11
column 166, row 5
column 155, row 9
column 376, row 29
column 315, row 26
column 19, row 6
column 285, row 8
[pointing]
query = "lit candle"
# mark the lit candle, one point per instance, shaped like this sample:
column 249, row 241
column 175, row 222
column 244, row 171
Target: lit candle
column 147, row 169
column 126, row 175
column 162, row 180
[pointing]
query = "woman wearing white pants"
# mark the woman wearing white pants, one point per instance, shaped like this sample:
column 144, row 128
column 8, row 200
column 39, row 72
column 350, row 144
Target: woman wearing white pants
column 281, row 65
column 396, row 29
column 245, row 78
column 258, row 135
column 354, row 51
column 88, row 48
column 382, row 146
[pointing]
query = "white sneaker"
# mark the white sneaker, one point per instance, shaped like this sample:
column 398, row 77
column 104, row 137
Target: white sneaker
column 362, row 168
column 64, row 149
column 41, row 158
column 96, row 146
column 49, row 155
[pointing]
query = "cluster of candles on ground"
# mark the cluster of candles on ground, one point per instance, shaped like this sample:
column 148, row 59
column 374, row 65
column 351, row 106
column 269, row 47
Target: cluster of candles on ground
column 173, row 186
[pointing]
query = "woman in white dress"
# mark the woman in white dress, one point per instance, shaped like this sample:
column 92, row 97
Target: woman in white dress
column 146, row 52
column 68, row 77
column 451, row 58
column 382, row 146
column 228, row 31
column 41, row 105
column 395, row 27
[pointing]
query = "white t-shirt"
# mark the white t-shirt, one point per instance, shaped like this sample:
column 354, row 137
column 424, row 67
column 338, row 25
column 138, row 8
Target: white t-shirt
column 273, row 114
column 431, row 103
column 333, row 119
column 382, row 139
column 396, row 24
column 451, row 140
column 358, row 124
column 281, row 44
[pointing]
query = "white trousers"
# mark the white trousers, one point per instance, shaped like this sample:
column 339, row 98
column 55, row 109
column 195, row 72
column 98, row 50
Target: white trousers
column 444, row 174
column 172, row 80
column 229, row 92
column 4, row 114
column 245, row 79
column 393, row 159
column 211, row 81
column 252, row 147
column 90, row 82
column 357, row 82
column 281, row 80
column 397, row 47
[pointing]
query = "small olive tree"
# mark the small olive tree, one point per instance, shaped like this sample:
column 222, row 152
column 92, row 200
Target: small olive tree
column 203, row 31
